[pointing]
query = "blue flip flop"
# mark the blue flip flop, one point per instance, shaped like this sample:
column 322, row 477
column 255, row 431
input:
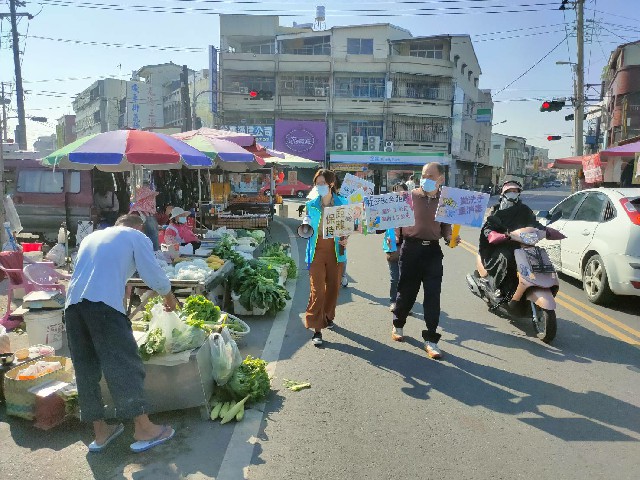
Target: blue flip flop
column 143, row 445
column 94, row 447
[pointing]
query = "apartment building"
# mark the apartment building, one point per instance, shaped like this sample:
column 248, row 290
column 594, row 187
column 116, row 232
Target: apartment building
column 381, row 102
column 66, row 130
column 510, row 153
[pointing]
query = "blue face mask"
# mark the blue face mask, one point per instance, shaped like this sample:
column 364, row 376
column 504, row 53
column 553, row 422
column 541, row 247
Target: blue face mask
column 428, row 185
column 322, row 190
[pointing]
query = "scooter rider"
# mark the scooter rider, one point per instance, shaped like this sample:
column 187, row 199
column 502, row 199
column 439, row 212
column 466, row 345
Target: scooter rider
column 496, row 263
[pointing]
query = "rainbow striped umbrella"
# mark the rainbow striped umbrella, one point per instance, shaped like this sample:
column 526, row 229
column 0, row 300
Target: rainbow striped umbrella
column 120, row 150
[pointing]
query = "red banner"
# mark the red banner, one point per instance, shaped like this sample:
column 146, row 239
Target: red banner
column 592, row 167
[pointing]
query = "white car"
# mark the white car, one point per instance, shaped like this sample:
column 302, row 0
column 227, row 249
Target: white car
column 602, row 247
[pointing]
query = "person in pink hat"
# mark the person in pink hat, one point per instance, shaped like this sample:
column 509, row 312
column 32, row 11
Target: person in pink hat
column 145, row 207
column 178, row 232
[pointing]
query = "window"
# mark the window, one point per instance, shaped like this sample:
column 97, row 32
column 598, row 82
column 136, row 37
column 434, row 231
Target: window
column 304, row 85
column 464, row 65
column 310, row 46
column 40, row 181
column 591, row 209
column 422, row 130
column 364, row 128
column 360, row 46
column 496, row 147
column 360, row 87
column 426, row 50
column 262, row 48
column 96, row 116
column 568, row 206
column 468, row 140
column 246, row 83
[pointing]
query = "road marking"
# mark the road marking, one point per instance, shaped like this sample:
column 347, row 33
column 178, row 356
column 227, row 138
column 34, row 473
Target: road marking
column 472, row 249
column 603, row 316
column 239, row 452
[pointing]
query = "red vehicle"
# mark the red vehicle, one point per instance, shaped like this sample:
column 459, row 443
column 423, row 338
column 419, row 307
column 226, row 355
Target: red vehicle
column 285, row 189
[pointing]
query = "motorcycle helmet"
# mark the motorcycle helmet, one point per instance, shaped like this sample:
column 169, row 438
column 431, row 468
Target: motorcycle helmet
column 509, row 184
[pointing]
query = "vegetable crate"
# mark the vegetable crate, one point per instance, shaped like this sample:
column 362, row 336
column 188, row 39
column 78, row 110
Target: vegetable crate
column 240, row 310
column 241, row 222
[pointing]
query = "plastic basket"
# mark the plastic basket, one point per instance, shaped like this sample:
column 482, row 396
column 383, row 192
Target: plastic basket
column 31, row 247
column 240, row 310
column 22, row 403
column 233, row 333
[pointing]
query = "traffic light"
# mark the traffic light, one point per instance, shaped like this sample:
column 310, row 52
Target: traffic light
column 260, row 95
column 571, row 117
column 552, row 105
column 554, row 137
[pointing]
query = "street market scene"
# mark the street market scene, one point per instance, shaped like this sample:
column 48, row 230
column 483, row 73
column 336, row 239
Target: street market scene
column 319, row 241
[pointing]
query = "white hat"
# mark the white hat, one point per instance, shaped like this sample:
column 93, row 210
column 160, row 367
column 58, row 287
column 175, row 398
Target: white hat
column 176, row 212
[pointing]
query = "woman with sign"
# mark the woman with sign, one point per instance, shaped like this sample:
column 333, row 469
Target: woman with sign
column 325, row 256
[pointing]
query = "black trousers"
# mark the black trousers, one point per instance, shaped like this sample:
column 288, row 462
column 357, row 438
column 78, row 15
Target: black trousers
column 420, row 265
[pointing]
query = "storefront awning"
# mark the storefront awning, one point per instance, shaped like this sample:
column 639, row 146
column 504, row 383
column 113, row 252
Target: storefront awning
column 292, row 161
column 567, row 163
column 390, row 158
column 628, row 150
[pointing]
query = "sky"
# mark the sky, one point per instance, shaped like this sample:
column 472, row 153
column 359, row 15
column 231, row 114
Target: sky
column 64, row 48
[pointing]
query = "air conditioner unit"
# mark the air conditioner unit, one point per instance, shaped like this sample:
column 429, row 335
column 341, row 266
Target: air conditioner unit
column 244, row 90
column 340, row 141
column 388, row 146
column 357, row 143
column 373, row 144
column 320, row 92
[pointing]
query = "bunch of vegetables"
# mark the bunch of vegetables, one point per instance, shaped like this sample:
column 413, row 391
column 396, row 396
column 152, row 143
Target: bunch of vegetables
column 152, row 302
column 198, row 307
column 227, row 411
column 215, row 263
column 187, row 338
column 226, row 252
column 275, row 254
column 261, row 292
column 153, row 344
column 250, row 381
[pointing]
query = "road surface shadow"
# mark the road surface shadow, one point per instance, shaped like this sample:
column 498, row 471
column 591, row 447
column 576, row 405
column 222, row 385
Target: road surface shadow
column 481, row 385
column 628, row 304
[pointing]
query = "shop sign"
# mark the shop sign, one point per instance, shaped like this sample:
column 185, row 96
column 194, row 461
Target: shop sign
column 462, row 207
column 306, row 139
column 389, row 158
column 592, row 167
column 483, row 115
column 389, row 210
column 262, row 133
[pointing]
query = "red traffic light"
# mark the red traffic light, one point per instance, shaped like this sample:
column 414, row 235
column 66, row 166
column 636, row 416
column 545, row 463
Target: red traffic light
column 546, row 105
column 253, row 94
column 553, row 137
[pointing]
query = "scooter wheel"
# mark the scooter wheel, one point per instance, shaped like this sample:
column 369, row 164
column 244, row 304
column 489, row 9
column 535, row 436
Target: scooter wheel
column 545, row 325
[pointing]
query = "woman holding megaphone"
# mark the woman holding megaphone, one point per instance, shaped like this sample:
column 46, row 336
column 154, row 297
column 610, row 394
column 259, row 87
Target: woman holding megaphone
column 325, row 256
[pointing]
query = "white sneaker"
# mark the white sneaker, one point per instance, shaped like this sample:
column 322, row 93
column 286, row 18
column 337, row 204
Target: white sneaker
column 397, row 335
column 317, row 338
column 392, row 307
column 432, row 350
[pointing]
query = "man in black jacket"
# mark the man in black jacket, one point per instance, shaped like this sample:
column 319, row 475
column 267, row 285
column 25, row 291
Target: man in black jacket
column 496, row 250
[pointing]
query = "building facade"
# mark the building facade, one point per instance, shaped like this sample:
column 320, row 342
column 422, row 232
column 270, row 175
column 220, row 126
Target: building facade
column 511, row 154
column 66, row 130
column 376, row 87
column 45, row 144
column 622, row 95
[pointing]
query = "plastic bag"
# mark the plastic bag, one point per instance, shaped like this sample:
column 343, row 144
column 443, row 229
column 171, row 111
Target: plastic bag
column 166, row 321
column 5, row 341
column 225, row 356
column 57, row 254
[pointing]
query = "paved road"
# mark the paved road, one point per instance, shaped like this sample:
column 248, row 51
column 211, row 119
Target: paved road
column 500, row 405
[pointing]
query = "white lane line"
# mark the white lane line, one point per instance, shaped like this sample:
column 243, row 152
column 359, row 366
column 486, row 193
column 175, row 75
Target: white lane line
column 239, row 453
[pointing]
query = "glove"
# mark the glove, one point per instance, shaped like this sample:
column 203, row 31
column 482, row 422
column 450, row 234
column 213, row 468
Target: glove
column 553, row 234
column 495, row 237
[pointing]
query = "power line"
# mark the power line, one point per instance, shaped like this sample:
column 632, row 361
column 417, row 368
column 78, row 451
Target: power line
column 613, row 33
column 123, row 45
column 532, row 67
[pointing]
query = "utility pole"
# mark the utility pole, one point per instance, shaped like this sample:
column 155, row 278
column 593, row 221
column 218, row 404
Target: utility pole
column 3, row 131
column 579, row 104
column 193, row 108
column 21, row 130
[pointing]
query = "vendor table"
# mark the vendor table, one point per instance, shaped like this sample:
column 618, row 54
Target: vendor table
column 194, row 287
column 175, row 387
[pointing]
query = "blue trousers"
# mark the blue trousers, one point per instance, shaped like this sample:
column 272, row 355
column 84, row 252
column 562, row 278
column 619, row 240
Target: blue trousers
column 420, row 265
column 394, row 275
column 101, row 343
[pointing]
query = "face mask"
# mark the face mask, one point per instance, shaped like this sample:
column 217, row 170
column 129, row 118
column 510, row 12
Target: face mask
column 428, row 185
column 512, row 196
column 322, row 190
column 182, row 220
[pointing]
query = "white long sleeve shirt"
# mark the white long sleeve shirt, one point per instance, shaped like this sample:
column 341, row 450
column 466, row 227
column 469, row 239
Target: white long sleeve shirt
column 107, row 259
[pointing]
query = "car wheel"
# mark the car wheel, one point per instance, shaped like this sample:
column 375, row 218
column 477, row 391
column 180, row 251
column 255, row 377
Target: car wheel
column 267, row 193
column 300, row 194
column 595, row 281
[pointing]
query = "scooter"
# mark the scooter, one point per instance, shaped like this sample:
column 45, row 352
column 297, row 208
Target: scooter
column 537, row 285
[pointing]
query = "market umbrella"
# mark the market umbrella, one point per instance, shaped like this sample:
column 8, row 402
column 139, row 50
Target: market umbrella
column 225, row 154
column 242, row 139
column 120, row 150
